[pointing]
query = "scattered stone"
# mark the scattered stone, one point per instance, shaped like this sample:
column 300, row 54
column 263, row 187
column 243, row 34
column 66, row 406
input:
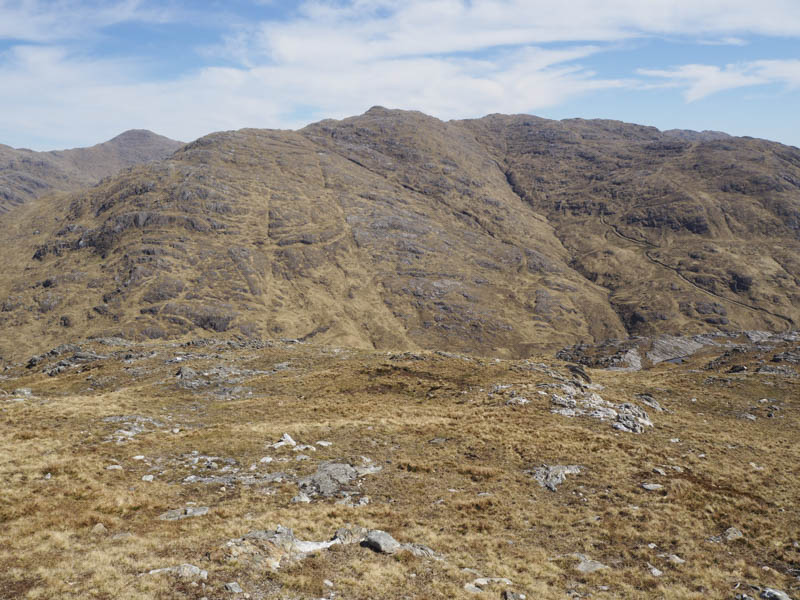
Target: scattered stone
column 332, row 477
column 324, row 443
column 517, row 401
column 99, row 529
column 732, row 534
column 184, row 571
column 286, row 440
column 652, row 487
column 572, row 402
column 349, row 501
column 660, row 471
column 264, row 550
column 381, row 542
column 304, row 447
column 327, row 583
column 266, row 459
column 138, row 457
column 578, row 371
column 114, row 468
column 186, row 373
column 147, row 478
column 468, row 587
column 551, row 476
column 508, row 595
column 783, row 370
column 134, row 425
column 184, row 513
column 675, row 559
column 301, row 499
column 631, row 418
column 483, row 582
column 587, row 565
column 351, row 534
column 654, row 571
column 648, row 400
column 233, row 587
column 773, row 594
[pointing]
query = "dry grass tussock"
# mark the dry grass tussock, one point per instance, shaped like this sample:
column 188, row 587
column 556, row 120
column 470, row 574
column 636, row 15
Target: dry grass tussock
column 456, row 464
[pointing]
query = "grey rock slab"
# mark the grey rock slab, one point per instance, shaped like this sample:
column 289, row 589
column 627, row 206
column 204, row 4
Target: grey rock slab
column 420, row 551
column 286, row 440
column 351, row 534
column 551, row 476
column 269, row 549
column 732, row 534
column 482, row 582
column 184, row 513
column 184, row 571
column 332, row 477
column 587, row 565
column 382, row 542
column 652, row 487
column 773, row 594
column 675, row 559
column 669, row 347
column 233, row 587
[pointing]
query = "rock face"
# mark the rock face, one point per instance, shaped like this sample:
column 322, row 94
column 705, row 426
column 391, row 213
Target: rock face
column 397, row 230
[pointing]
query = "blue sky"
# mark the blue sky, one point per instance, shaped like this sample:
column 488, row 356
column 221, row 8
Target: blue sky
column 77, row 72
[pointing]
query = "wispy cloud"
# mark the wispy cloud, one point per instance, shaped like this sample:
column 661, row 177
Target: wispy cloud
column 701, row 81
column 450, row 58
column 726, row 41
column 59, row 20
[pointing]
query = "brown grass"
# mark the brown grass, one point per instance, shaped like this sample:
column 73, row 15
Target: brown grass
column 468, row 498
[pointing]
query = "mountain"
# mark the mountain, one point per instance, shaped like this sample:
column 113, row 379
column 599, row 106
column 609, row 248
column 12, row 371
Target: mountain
column 394, row 230
column 25, row 174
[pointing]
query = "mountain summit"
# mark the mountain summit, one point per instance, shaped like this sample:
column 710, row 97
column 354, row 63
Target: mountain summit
column 25, row 174
column 394, row 229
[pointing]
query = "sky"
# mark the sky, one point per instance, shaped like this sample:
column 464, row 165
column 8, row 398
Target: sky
column 78, row 72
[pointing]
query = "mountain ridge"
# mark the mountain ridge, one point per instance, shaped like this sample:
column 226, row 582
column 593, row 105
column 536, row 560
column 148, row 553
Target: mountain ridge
column 395, row 230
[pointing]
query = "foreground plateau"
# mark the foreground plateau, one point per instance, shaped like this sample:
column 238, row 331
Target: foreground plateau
column 280, row 469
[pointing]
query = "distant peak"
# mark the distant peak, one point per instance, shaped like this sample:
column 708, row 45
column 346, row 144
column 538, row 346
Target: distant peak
column 136, row 134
